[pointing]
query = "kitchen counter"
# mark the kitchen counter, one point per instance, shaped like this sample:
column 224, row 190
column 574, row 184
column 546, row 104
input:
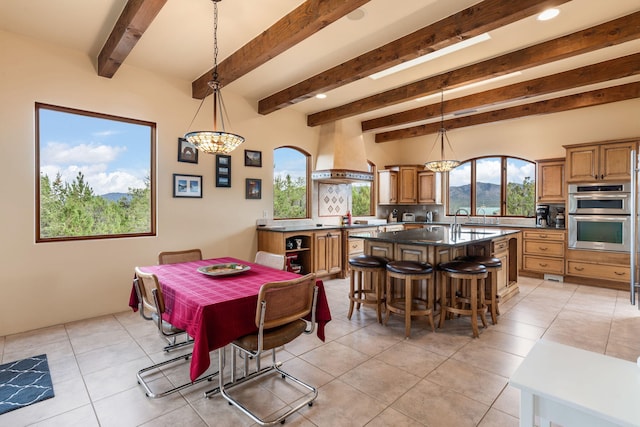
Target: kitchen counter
column 437, row 235
column 475, row 225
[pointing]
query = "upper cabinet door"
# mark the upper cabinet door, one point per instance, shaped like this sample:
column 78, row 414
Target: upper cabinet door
column 600, row 162
column 582, row 163
column 551, row 183
column 615, row 161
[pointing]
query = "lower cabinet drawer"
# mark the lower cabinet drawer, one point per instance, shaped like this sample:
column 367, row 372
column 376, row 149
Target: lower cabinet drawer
column 356, row 246
column 543, row 265
column 603, row 271
column 545, row 248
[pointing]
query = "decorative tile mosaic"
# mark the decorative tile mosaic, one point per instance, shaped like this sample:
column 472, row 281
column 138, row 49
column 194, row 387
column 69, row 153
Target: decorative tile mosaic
column 333, row 199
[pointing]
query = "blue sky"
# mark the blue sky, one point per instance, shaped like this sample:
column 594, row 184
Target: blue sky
column 288, row 161
column 112, row 155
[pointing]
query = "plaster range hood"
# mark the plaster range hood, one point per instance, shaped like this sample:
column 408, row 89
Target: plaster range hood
column 341, row 157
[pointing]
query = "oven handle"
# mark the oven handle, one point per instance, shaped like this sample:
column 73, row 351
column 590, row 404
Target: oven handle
column 616, row 218
column 593, row 196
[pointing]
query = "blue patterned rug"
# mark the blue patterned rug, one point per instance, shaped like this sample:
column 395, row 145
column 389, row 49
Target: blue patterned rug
column 24, row 382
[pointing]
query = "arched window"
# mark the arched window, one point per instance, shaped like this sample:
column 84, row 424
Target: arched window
column 291, row 194
column 493, row 186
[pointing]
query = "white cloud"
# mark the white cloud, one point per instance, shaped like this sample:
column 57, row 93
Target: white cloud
column 61, row 153
column 98, row 178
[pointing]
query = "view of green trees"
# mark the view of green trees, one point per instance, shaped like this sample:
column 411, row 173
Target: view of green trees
column 73, row 210
column 521, row 198
column 289, row 197
column 361, row 200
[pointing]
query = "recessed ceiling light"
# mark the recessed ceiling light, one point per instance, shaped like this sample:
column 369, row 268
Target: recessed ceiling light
column 321, row 96
column 548, row 14
column 356, row 15
column 433, row 55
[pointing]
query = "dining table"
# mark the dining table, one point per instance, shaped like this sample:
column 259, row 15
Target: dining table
column 215, row 309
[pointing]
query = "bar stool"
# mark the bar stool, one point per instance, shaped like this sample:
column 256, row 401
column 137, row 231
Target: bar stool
column 474, row 273
column 363, row 291
column 410, row 305
column 493, row 265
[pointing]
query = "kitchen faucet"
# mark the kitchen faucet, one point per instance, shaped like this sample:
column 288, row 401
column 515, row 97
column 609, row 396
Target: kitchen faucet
column 484, row 215
column 455, row 219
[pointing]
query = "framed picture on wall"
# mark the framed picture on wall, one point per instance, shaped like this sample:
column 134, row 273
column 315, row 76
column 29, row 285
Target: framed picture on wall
column 223, row 170
column 253, row 158
column 253, row 188
column 187, row 185
column 187, row 152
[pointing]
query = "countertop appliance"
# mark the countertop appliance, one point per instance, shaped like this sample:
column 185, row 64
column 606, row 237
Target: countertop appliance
column 408, row 217
column 560, row 218
column 393, row 216
column 542, row 216
column 600, row 216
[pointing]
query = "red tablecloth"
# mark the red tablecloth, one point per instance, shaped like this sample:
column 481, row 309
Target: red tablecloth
column 217, row 310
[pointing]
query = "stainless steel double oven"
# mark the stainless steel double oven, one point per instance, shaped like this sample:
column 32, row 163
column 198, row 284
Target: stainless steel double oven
column 600, row 216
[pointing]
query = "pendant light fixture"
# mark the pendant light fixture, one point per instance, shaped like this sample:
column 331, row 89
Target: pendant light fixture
column 216, row 141
column 442, row 165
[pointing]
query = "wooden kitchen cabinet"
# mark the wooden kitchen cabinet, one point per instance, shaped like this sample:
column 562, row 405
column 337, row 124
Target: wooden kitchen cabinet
column 500, row 250
column 610, row 161
column 429, row 191
column 276, row 242
column 597, row 268
column 543, row 251
column 408, row 185
column 328, row 252
column 550, row 184
column 387, row 187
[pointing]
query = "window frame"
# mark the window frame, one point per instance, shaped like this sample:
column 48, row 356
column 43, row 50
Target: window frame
column 152, row 174
column 503, row 185
column 373, row 190
column 308, row 183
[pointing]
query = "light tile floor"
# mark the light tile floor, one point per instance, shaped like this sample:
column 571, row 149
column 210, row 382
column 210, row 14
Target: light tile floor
column 367, row 374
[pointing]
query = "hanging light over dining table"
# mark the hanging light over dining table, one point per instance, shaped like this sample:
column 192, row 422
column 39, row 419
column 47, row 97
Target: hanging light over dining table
column 442, row 165
column 218, row 140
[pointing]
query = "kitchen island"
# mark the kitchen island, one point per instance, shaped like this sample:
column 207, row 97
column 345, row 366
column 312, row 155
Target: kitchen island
column 438, row 243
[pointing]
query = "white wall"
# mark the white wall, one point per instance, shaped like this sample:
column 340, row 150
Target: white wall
column 51, row 283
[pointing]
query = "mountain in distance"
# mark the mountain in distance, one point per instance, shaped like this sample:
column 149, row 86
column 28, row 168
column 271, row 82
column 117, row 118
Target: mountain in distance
column 114, row 197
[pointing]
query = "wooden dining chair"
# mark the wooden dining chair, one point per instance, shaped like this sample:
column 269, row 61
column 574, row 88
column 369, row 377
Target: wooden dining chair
column 269, row 259
column 151, row 307
column 280, row 313
column 173, row 257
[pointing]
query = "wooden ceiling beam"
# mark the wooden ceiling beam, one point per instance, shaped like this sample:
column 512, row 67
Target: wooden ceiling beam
column 475, row 20
column 307, row 19
column 608, row 34
column 556, row 105
column 618, row 68
column 134, row 20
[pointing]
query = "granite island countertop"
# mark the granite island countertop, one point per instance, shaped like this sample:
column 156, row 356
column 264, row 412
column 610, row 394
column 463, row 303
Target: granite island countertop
column 475, row 225
column 437, row 235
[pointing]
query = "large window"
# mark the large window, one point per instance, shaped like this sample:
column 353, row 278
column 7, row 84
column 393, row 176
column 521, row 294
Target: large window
column 290, row 183
column 362, row 200
column 493, row 186
column 95, row 175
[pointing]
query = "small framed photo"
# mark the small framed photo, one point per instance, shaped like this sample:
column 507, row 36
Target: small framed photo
column 187, row 185
column 223, row 170
column 253, row 188
column 253, row 158
column 187, row 152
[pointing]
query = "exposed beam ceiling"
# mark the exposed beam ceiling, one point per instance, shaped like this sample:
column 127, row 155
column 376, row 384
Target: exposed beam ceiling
column 304, row 21
column 598, row 37
column 480, row 18
column 132, row 23
column 565, row 103
column 591, row 74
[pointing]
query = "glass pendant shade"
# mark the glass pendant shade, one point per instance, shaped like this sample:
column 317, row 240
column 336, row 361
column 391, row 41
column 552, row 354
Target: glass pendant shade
column 216, row 141
column 442, row 165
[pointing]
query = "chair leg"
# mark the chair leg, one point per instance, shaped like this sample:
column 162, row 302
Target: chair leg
column 154, row 395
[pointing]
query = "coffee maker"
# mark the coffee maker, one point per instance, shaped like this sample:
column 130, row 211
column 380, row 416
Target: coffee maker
column 560, row 218
column 542, row 216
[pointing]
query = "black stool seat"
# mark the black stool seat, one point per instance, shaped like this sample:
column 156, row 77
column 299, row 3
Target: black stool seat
column 487, row 261
column 463, row 267
column 409, row 267
column 368, row 261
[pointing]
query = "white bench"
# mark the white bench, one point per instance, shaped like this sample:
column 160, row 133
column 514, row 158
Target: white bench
column 574, row 387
